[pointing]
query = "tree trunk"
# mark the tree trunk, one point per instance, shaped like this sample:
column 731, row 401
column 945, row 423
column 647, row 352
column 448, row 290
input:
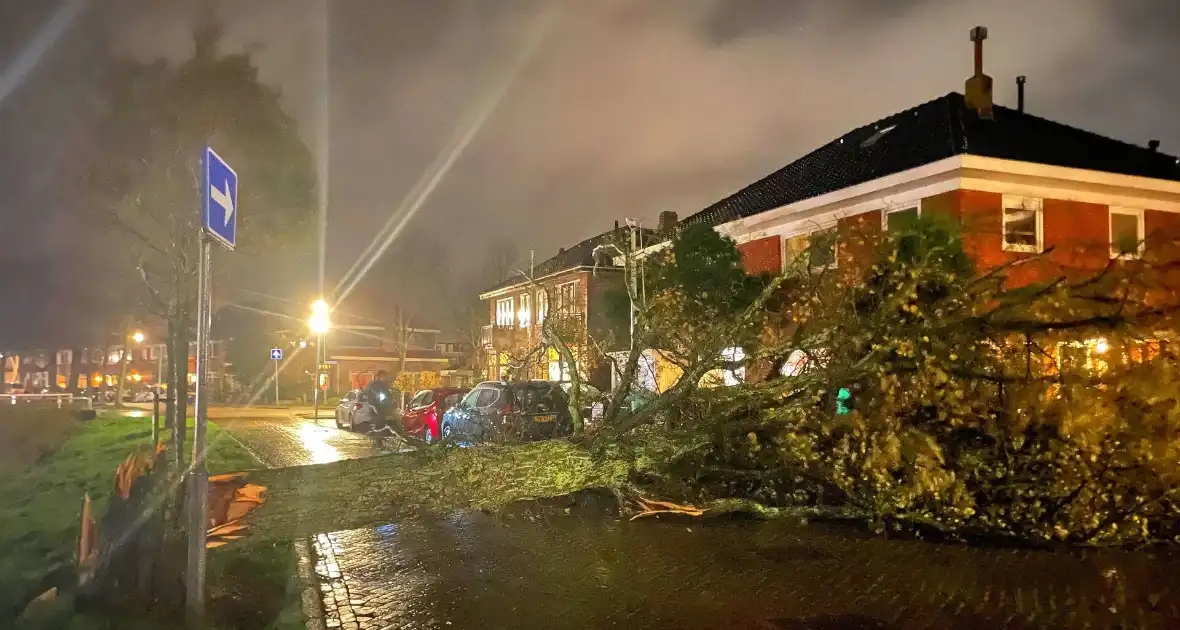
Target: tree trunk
column 178, row 381
column 121, row 386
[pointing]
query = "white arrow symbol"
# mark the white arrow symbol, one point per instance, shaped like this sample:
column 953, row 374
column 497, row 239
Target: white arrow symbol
column 223, row 199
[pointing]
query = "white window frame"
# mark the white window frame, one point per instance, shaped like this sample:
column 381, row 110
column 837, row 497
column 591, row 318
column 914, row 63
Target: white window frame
column 505, row 317
column 917, row 205
column 542, row 305
column 785, row 253
column 834, row 229
column 1037, row 205
column 524, row 315
column 575, row 296
column 1141, row 228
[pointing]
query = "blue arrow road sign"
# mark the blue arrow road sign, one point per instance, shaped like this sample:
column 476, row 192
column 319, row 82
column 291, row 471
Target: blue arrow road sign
column 219, row 199
column 276, row 354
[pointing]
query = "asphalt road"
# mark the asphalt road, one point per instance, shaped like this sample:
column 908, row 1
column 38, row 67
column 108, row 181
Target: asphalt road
column 476, row 571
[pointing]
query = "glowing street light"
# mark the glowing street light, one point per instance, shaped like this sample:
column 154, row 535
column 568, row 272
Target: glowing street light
column 138, row 337
column 319, row 323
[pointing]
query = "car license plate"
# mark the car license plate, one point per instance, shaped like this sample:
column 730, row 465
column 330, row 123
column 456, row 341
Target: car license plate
column 545, row 418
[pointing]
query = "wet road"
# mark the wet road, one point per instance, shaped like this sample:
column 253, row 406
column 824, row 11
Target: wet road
column 476, row 571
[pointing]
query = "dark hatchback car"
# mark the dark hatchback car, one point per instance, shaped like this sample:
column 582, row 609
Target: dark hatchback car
column 497, row 411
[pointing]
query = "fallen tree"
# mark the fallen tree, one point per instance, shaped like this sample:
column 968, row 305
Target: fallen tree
column 913, row 392
column 306, row 500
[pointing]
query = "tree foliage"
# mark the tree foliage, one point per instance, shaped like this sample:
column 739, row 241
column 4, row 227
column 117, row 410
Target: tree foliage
column 141, row 172
column 1046, row 412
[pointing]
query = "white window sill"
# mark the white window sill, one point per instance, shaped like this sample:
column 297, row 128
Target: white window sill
column 1024, row 249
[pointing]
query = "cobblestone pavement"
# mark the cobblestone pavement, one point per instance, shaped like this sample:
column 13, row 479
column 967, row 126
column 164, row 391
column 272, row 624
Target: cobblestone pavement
column 475, row 571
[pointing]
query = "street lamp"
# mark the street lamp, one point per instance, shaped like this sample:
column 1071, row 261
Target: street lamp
column 319, row 324
column 138, row 338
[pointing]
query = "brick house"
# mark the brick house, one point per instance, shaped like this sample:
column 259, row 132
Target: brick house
column 1018, row 184
column 568, row 286
column 356, row 351
column 92, row 368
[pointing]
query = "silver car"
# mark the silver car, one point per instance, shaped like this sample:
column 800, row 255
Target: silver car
column 355, row 414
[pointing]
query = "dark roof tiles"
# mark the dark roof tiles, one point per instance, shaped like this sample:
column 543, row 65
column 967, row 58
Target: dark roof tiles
column 927, row 133
column 580, row 255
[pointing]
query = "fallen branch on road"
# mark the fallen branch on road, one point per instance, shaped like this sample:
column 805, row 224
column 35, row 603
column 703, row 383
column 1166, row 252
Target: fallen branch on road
column 349, row 494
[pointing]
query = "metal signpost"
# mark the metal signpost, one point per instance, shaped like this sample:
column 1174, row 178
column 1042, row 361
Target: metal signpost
column 219, row 222
column 276, row 355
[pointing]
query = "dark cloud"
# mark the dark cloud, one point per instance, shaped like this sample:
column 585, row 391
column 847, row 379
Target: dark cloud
column 636, row 106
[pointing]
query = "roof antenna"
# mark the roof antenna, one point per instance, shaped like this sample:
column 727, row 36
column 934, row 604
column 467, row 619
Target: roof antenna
column 1020, row 93
column 979, row 86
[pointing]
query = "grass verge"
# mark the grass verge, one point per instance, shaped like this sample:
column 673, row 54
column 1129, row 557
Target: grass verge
column 249, row 586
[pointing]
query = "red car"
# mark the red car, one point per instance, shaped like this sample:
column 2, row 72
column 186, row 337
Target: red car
column 423, row 413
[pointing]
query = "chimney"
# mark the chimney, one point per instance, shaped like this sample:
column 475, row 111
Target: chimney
column 1154, row 145
column 667, row 223
column 979, row 86
column 1020, row 93
column 561, row 250
column 616, row 225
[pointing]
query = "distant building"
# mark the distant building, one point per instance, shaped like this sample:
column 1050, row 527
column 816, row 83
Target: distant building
column 568, row 286
column 99, row 367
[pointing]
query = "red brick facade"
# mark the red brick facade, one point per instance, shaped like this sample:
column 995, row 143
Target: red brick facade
column 1075, row 235
column 763, row 255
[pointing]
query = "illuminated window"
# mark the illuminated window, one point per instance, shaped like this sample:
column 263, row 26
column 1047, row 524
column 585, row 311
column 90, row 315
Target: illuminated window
column 505, row 315
column 1023, row 224
column 525, row 314
column 737, row 375
column 1126, row 233
column 542, row 306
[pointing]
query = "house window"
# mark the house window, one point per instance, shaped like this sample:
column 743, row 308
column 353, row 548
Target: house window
column 65, row 357
column 1023, row 224
column 525, row 315
column 737, row 375
column 821, row 249
column 542, row 306
column 1126, row 233
column 567, row 297
column 897, row 220
column 505, row 317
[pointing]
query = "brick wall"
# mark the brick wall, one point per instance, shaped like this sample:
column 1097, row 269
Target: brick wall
column 763, row 255
column 1076, row 232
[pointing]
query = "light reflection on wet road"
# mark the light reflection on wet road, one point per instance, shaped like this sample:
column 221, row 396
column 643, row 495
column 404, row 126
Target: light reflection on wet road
column 476, row 571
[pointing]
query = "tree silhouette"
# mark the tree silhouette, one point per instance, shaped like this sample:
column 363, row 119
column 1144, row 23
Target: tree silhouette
column 141, row 170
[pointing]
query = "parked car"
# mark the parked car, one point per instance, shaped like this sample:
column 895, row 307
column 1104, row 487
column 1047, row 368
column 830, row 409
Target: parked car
column 425, row 410
column 353, row 412
column 144, row 395
column 516, row 410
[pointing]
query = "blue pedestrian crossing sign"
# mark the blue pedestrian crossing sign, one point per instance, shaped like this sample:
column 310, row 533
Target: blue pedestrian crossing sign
column 276, row 354
column 219, row 199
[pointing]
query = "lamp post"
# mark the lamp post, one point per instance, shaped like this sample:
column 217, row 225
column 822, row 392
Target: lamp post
column 319, row 324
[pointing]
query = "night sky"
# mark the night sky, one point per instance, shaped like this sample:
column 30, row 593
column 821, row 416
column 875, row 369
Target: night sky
column 628, row 107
